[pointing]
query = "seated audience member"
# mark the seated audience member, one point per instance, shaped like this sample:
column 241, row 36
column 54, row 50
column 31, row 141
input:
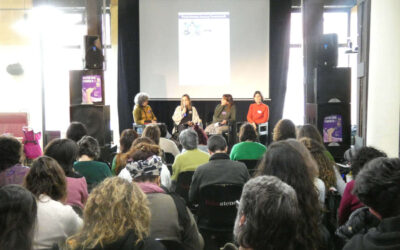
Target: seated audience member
column 284, row 129
column 153, row 132
column 312, row 168
column 140, row 146
column 219, row 170
column 310, row 131
column 248, row 148
column 327, row 168
column 17, row 217
column 185, row 115
column 65, row 152
column 94, row 171
column 125, row 143
column 116, row 216
column 285, row 162
column 349, row 202
column 167, row 145
column 203, row 138
column 76, row 131
column 55, row 221
column 192, row 157
column 258, row 112
column 171, row 219
column 11, row 170
column 268, row 215
column 142, row 113
column 224, row 113
column 377, row 185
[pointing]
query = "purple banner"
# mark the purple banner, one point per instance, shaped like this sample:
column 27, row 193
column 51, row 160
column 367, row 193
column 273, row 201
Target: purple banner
column 333, row 129
column 91, row 89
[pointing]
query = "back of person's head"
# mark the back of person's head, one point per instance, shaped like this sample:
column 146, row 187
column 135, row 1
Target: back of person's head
column 46, row 177
column 141, row 98
column 284, row 129
column 134, row 151
column 364, row 155
column 163, row 130
column 64, row 151
column 310, row 131
column 113, row 208
column 247, row 133
column 270, row 212
column 126, row 139
column 145, row 170
column 10, row 151
column 153, row 132
column 89, row 146
column 189, row 139
column 378, row 186
column 76, row 131
column 17, row 217
column 311, row 164
column 203, row 138
column 325, row 165
column 216, row 143
column 285, row 162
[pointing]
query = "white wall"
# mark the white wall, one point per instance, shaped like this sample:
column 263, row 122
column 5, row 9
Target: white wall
column 384, row 77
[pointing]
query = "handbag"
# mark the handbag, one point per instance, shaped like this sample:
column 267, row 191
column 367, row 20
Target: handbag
column 31, row 143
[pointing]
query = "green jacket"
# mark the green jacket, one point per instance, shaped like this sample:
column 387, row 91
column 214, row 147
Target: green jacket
column 221, row 113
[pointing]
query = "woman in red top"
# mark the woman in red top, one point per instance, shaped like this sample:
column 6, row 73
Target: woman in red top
column 258, row 112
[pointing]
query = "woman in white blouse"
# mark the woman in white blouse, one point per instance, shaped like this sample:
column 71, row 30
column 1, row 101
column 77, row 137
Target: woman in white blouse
column 185, row 115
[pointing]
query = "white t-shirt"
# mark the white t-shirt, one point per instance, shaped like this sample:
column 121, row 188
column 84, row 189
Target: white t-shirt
column 55, row 223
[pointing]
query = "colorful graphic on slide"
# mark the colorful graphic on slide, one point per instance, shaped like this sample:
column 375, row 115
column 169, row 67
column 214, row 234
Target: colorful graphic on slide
column 91, row 89
column 332, row 129
column 204, row 48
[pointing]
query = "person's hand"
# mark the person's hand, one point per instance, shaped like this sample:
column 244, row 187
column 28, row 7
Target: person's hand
column 223, row 122
column 153, row 121
column 184, row 110
column 254, row 125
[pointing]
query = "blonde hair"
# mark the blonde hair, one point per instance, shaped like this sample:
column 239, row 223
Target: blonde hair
column 190, row 102
column 114, row 207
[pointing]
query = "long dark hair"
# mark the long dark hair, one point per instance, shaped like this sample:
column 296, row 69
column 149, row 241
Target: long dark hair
column 284, row 129
column 310, row 131
column 17, row 217
column 285, row 162
column 247, row 132
column 65, row 152
column 46, row 177
column 125, row 142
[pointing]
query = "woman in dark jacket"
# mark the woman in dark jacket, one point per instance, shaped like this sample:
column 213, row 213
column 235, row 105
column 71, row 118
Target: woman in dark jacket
column 224, row 114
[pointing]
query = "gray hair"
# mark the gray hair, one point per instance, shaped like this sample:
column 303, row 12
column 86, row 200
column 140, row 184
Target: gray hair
column 140, row 98
column 271, row 213
column 189, row 139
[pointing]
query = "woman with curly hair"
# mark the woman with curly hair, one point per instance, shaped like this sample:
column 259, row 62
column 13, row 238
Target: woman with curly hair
column 285, row 162
column 310, row 131
column 55, row 221
column 327, row 170
column 142, row 113
column 125, row 143
column 116, row 216
column 284, row 129
column 143, row 145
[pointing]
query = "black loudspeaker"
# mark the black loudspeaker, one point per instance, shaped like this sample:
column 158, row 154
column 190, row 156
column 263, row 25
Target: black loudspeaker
column 93, row 53
column 75, row 84
column 334, row 124
column 331, row 84
column 328, row 50
column 96, row 118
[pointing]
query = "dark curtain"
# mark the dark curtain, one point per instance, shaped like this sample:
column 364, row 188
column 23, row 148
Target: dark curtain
column 129, row 58
column 280, row 11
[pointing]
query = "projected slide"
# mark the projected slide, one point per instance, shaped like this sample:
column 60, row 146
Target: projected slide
column 204, row 48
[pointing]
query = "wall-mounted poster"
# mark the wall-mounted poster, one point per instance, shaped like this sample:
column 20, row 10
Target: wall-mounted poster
column 91, row 89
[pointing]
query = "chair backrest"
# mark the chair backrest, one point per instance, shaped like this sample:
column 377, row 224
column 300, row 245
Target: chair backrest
column 251, row 165
column 183, row 184
column 169, row 158
column 217, row 207
column 263, row 128
column 171, row 244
